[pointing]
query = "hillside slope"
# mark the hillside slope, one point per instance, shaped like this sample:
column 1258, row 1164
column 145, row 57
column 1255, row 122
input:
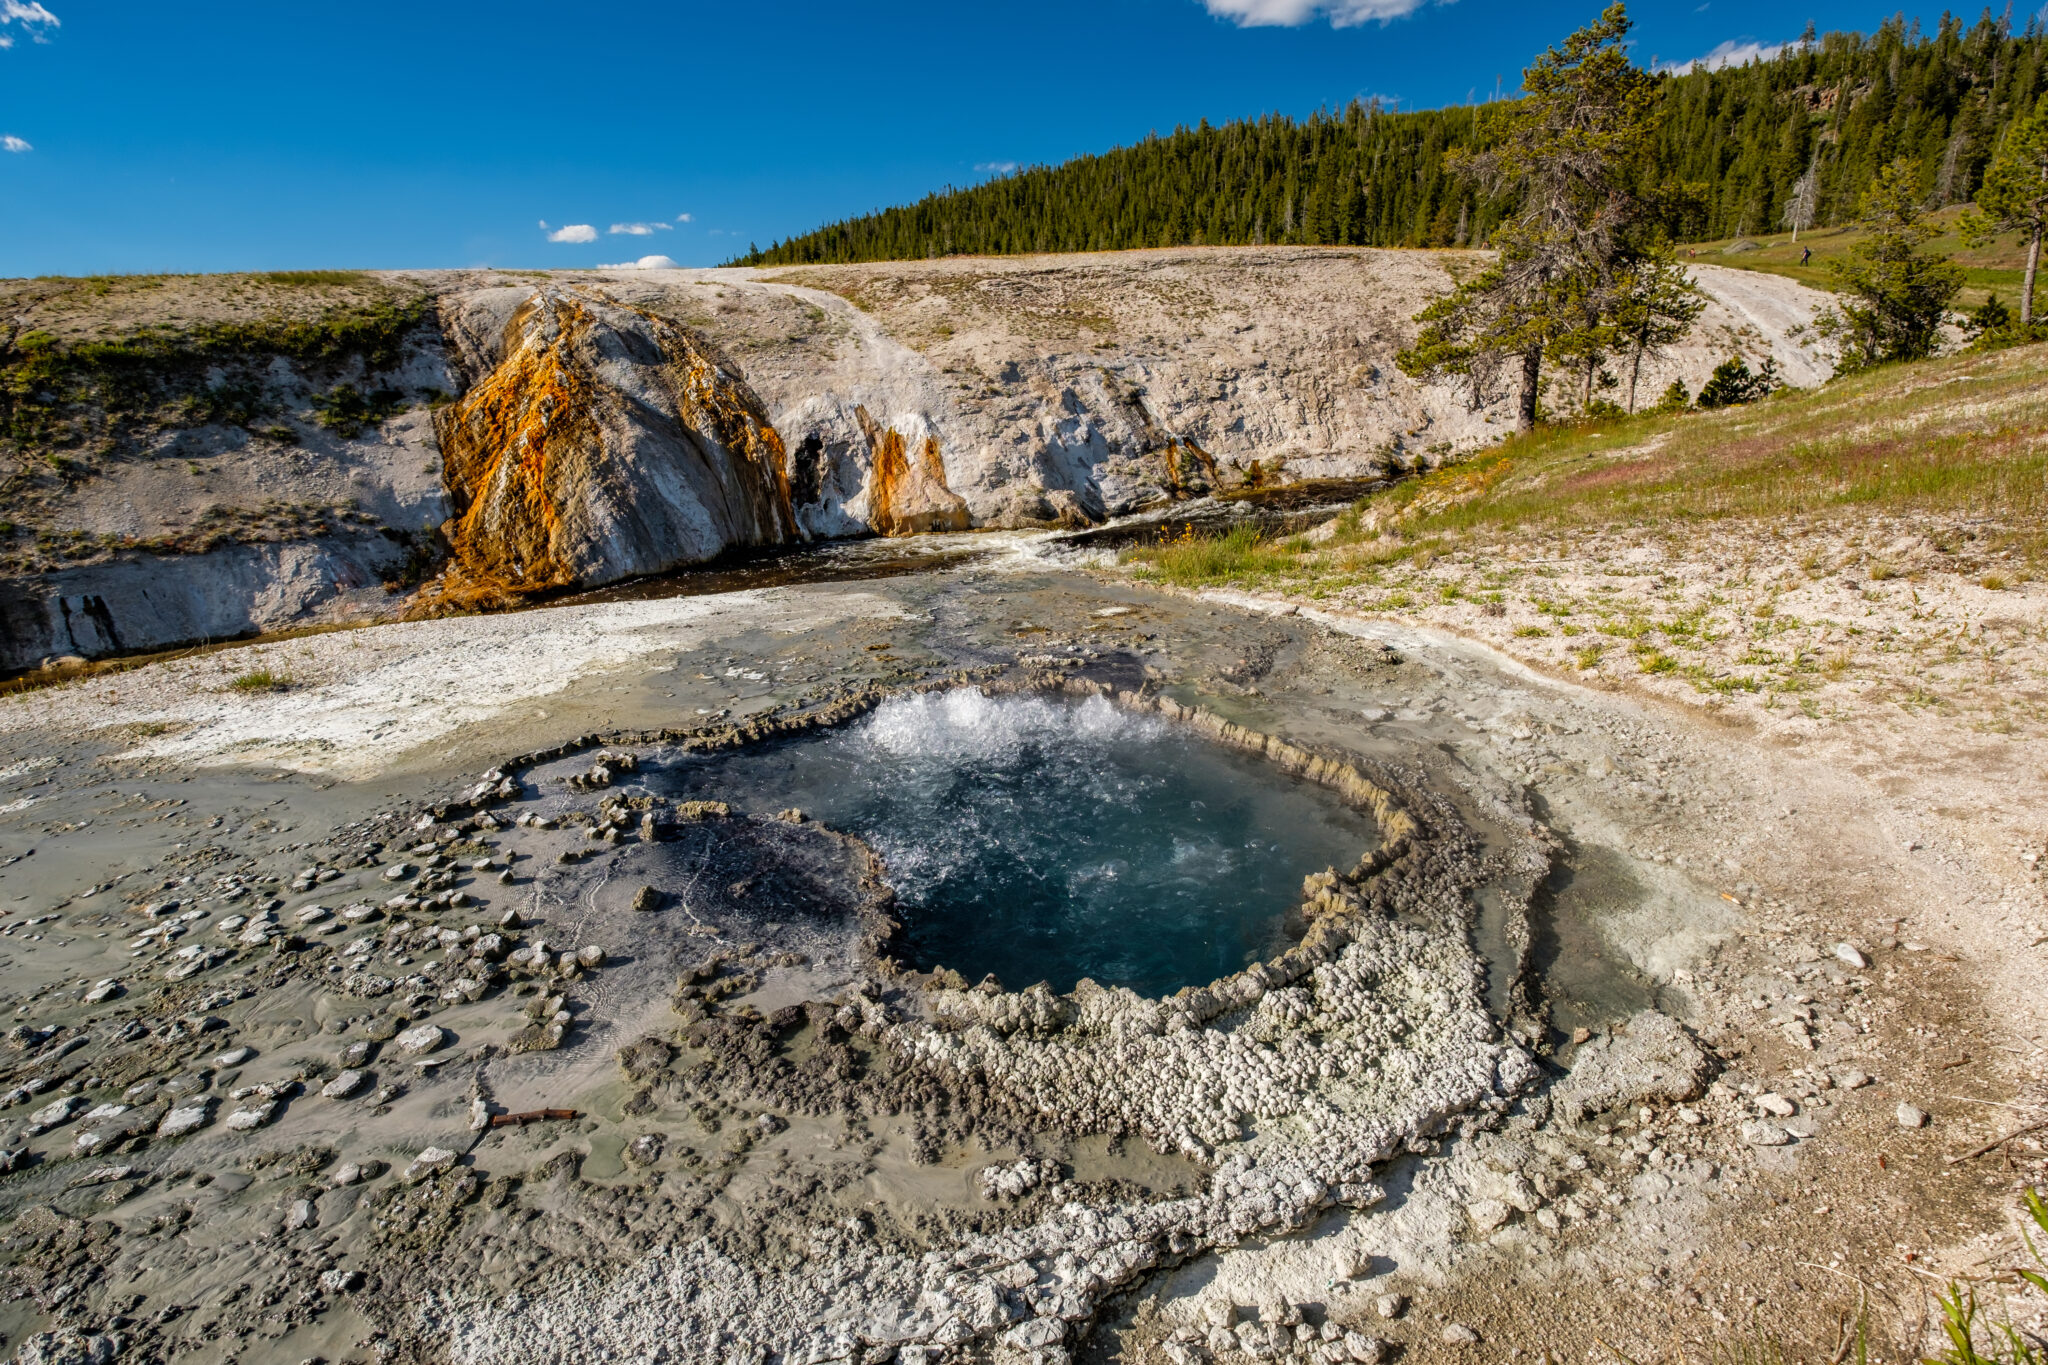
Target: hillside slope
column 1739, row 139
column 203, row 457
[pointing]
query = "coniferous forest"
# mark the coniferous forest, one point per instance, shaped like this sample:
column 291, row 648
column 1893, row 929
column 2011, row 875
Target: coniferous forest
column 1731, row 151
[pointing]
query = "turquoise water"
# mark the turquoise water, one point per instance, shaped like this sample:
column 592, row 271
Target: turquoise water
column 1046, row 840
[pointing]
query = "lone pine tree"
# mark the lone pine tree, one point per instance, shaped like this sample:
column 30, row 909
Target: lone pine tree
column 1894, row 295
column 1566, row 154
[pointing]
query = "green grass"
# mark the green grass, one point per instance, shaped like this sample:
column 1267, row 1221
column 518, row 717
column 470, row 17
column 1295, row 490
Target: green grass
column 1999, row 266
column 1956, row 435
column 1963, row 1318
column 260, row 680
column 1241, row 556
column 310, row 279
column 1949, row 446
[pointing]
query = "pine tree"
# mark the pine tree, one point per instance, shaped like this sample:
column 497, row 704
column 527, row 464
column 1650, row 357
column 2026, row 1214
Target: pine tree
column 1896, row 295
column 2014, row 197
column 1655, row 308
column 1566, row 154
column 1744, row 136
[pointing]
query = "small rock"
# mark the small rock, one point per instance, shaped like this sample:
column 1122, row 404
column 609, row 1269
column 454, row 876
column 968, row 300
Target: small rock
column 68, row 1346
column 340, row 1280
column 1390, row 1305
column 1911, row 1116
column 422, row 1040
column 344, row 1085
column 247, row 1120
column 348, row 1173
column 104, row 990
column 1036, row 1334
column 1458, row 1334
column 1488, row 1215
column 300, row 1216
column 1776, row 1105
column 1851, row 955
column 234, row 1056
column 1765, row 1135
column 429, row 1162
column 61, row 1111
column 1851, row 1080
column 1364, row 1349
column 592, row 956
column 356, row 1053
column 190, row 1118
column 647, row 898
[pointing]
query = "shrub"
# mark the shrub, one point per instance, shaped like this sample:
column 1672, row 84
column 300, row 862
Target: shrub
column 260, row 680
column 347, row 410
column 1732, row 383
column 302, row 279
column 1894, row 297
column 1190, row 560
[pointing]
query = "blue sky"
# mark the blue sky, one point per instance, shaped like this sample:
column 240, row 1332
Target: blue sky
column 194, row 136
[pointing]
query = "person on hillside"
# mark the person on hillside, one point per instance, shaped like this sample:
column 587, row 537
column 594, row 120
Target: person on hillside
column 1806, row 255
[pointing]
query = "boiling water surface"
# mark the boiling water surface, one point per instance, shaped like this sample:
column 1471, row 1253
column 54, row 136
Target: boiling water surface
column 1046, row 840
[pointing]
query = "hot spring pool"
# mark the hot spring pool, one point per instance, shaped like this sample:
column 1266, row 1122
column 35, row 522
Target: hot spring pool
column 1047, row 840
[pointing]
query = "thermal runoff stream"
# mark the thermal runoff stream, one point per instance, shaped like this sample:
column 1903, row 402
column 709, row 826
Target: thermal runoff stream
column 1045, row 840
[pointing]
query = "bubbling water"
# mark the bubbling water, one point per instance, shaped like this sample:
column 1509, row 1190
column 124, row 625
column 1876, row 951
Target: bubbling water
column 1041, row 839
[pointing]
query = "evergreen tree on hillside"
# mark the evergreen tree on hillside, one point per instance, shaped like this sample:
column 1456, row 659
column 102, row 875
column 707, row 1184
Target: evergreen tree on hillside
column 1836, row 108
column 1894, row 295
column 2014, row 197
column 1654, row 309
column 1566, row 156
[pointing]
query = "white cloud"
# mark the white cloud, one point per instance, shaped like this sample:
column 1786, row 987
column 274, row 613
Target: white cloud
column 1294, row 13
column 573, row 232
column 33, row 18
column 686, row 218
column 644, row 263
column 999, row 167
column 15, row 144
column 1730, row 53
column 639, row 229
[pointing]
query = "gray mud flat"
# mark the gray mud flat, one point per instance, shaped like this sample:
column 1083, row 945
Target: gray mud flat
column 455, row 1039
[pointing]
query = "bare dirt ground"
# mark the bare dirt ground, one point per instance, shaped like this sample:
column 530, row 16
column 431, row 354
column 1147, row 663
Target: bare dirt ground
column 1833, row 886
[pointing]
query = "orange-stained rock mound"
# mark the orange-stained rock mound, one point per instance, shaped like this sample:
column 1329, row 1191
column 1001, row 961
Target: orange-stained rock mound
column 600, row 442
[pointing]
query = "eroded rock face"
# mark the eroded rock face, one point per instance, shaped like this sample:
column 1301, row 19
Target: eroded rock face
column 600, row 442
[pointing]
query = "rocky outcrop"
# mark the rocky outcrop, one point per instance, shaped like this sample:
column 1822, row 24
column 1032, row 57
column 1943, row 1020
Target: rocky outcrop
column 600, row 442
column 612, row 425
column 140, row 603
column 1066, row 389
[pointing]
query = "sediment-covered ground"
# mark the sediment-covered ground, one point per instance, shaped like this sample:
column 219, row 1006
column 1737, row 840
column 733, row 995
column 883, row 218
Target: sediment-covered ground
column 1604, row 1047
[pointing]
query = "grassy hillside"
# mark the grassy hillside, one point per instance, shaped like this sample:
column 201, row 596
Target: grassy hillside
column 1828, row 548
column 1995, row 268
